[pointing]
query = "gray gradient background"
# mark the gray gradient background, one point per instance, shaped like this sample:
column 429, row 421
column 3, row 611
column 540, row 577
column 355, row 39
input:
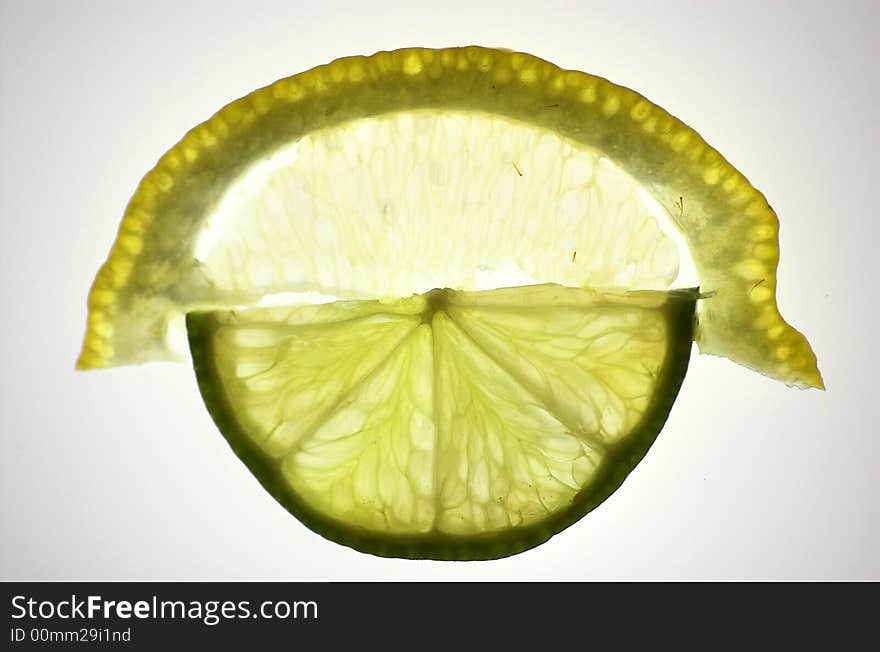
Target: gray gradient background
column 121, row 474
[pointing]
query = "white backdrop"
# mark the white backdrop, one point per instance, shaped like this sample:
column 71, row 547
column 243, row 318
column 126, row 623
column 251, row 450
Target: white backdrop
column 121, row 474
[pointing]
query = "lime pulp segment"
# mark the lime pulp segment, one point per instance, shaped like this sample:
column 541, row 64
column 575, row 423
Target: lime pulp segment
column 448, row 425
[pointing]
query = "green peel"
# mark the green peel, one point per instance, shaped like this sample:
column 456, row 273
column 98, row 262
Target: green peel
column 422, row 434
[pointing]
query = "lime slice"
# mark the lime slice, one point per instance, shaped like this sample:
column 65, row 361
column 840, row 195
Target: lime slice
column 448, row 425
column 388, row 175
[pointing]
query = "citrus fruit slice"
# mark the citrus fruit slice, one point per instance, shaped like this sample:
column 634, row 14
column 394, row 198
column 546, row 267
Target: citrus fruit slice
column 393, row 174
column 447, row 425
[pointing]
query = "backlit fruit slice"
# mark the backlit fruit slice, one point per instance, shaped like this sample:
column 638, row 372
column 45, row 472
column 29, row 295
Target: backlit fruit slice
column 389, row 175
column 449, row 425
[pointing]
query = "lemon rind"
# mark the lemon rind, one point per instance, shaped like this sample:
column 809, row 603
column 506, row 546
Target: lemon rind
column 731, row 230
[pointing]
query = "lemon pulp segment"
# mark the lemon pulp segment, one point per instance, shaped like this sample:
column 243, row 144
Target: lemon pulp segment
column 163, row 263
column 401, row 203
column 450, row 424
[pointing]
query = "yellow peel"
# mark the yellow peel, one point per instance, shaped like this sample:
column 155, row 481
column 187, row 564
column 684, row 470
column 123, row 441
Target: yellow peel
column 151, row 277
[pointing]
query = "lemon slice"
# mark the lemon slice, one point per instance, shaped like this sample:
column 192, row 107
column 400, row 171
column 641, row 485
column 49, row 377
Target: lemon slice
column 393, row 174
column 448, row 425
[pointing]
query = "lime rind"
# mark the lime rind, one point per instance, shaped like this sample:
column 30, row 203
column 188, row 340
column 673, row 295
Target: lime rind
column 619, row 457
